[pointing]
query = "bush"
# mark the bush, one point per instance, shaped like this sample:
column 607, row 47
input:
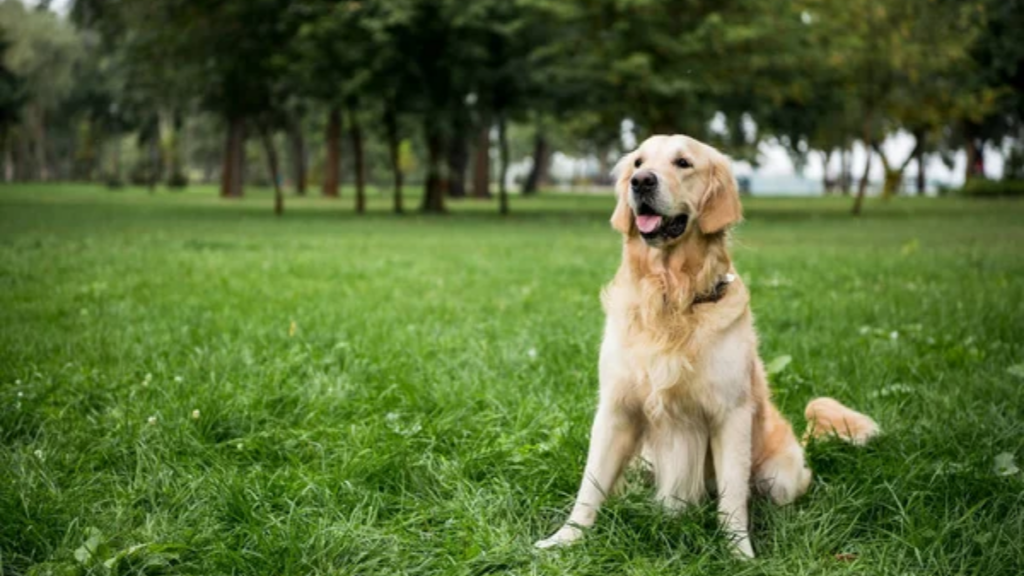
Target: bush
column 113, row 181
column 140, row 174
column 177, row 181
column 984, row 188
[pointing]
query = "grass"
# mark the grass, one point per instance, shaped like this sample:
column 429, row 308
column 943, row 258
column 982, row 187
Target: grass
column 412, row 395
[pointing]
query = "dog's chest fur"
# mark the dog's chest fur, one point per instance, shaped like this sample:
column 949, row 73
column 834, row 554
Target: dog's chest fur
column 688, row 366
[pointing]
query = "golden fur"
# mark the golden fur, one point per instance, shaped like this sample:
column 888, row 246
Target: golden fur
column 682, row 385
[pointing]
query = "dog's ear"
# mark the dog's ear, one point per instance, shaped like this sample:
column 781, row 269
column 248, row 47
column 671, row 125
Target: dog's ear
column 622, row 217
column 720, row 206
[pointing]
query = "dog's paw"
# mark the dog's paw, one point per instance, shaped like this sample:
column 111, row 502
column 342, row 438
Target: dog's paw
column 742, row 549
column 566, row 535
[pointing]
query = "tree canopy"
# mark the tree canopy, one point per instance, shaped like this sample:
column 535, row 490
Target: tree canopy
column 433, row 81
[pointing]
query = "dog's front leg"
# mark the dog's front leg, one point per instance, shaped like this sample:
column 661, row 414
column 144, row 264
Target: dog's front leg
column 613, row 441
column 730, row 448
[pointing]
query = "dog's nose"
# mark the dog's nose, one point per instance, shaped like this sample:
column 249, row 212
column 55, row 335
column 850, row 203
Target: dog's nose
column 644, row 181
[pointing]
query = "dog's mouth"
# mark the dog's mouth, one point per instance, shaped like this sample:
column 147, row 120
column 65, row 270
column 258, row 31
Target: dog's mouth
column 653, row 225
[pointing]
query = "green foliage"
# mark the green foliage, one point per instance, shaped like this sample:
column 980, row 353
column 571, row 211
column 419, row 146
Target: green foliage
column 812, row 75
column 42, row 50
column 412, row 395
column 12, row 93
column 985, row 188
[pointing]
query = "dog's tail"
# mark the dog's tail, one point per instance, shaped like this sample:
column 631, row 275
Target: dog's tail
column 828, row 417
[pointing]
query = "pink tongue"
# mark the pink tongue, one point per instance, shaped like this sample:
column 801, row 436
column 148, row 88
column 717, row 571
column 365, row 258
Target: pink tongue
column 648, row 224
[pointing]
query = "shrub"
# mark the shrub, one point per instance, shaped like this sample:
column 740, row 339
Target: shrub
column 140, row 174
column 177, row 181
column 984, row 188
column 113, row 181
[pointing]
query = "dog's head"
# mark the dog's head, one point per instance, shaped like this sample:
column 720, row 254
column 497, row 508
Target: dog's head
column 669, row 184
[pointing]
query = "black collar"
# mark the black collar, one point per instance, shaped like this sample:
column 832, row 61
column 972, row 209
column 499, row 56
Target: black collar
column 716, row 293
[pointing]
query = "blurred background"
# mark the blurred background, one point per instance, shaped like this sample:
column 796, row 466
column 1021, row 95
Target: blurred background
column 426, row 100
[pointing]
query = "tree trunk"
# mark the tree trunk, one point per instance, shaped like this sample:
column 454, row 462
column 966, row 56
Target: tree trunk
column 174, row 166
column 115, row 163
column 209, row 169
column 154, row 159
column 482, row 160
column 604, row 166
column 433, row 195
column 826, row 183
column 862, row 188
column 846, row 170
column 975, row 158
column 227, row 170
column 922, row 181
column 5, row 143
column 894, row 174
column 39, row 129
column 458, row 160
column 271, row 151
column 539, row 171
column 889, row 178
column 919, row 157
column 391, row 127
column 234, row 160
column 297, row 145
column 503, row 176
column 23, row 159
column 332, row 171
column 360, row 164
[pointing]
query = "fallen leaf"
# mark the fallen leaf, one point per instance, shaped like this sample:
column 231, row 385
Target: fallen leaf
column 778, row 365
column 910, row 247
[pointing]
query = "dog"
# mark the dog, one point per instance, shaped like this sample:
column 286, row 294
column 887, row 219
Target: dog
column 681, row 384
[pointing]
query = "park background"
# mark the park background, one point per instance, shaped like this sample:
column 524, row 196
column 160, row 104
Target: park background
column 223, row 351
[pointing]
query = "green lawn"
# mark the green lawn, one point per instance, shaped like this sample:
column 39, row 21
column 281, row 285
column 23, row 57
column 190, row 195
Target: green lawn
column 192, row 386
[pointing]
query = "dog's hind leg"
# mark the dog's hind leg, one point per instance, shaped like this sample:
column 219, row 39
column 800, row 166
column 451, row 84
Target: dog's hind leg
column 779, row 467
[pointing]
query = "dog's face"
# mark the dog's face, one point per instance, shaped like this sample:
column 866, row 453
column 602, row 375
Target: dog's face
column 668, row 184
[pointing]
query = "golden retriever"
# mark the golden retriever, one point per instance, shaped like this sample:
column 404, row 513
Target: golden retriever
column 681, row 383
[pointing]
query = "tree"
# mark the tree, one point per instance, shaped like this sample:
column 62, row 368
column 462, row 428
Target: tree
column 340, row 57
column 42, row 52
column 12, row 98
column 901, row 61
column 224, row 52
column 997, row 79
column 541, row 157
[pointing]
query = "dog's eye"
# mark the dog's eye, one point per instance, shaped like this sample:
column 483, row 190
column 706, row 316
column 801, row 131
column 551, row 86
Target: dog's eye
column 683, row 163
column 637, row 163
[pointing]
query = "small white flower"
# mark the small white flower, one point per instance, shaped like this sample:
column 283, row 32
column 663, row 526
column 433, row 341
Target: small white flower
column 151, row 420
column 532, row 353
column 240, row 446
column 179, row 379
column 21, row 394
column 894, row 335
column 1006, row 464
column 17, row 382
column 146, row 381
column 39, row 454
column 865, row 330
column 195, row 414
